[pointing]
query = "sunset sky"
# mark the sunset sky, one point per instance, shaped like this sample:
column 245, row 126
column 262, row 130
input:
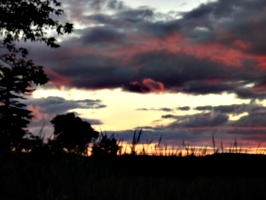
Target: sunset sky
column 179, row 69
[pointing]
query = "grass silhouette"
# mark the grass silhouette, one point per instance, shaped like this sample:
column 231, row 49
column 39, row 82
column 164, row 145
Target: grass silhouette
column 151, row 148
column 146, row 172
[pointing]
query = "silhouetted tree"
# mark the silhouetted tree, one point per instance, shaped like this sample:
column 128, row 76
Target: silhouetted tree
column 22, row 20
column 15, row 83
column 73, row 134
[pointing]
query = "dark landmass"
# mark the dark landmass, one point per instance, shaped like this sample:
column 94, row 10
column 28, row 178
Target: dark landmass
column 191, row 166
column 73, row 177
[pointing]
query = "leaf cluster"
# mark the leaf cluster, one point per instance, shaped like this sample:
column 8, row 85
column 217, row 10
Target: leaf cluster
column 31, row 20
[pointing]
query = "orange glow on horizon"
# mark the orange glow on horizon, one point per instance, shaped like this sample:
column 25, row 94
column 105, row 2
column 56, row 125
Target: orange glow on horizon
column 164, row 150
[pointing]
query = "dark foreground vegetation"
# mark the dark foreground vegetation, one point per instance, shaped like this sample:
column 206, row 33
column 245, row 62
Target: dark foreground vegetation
column 68, row 176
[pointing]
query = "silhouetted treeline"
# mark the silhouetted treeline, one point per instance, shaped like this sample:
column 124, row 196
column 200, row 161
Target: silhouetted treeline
column 23, row 21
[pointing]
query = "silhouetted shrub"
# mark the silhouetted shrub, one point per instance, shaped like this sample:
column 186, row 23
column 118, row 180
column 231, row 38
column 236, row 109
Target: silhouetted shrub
column 105, row 145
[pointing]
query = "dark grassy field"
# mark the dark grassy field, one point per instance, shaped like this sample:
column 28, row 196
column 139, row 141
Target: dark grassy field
column 220, row 176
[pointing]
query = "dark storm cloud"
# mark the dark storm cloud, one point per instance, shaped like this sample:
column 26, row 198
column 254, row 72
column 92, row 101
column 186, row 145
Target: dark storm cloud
column 224, row 108
column 193, row 75
column 197, row 120
column 203, row 108
column 206, row 120
column 101, row 35
column 229, row 21
column 165, row 109
column 136, row 15
column 235, row 109
column 184, row 108
column 199, row 12
column 116, row 5
column 58, row 105
column 100, row 18
column 107, row 4
column 145, row 86
column 160, row 28
column 213, row 121
column 96, row 4
column 215, row 48
column 200, row 87
column 81, row 70
column 125, row 17
column 169, row 116
column 254, row 119
column 250, row 93
column 154, row 62
column 250, row 127
column 136, row 87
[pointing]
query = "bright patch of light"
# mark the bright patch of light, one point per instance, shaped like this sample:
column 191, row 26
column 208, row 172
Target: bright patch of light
column 202, row 29
column 250, row 85
column 237, row 117
column 121, row 112
column 167, row 5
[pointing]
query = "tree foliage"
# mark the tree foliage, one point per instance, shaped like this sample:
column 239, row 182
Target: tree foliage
column 30, row 20
column 73, row 134
column 27, row 20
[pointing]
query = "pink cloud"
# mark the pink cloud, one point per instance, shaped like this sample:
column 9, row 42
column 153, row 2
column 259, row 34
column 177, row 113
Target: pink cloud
column 154, row 86
column 230, row 55
column 147, row 85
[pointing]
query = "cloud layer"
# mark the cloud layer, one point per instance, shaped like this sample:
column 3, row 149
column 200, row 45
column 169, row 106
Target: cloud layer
column 45, row 109
column 214, row 48
column 218, row 47
column 245, row 122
